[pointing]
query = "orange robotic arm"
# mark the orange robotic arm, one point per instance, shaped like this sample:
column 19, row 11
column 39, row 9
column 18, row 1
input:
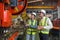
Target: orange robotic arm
column 6, row 15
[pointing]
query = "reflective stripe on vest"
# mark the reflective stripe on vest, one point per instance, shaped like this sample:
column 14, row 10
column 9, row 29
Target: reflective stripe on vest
column 43, row 23
column 29, row 30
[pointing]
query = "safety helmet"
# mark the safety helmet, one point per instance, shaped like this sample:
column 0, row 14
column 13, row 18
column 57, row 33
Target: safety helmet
column 34, row 13
column 43, row 11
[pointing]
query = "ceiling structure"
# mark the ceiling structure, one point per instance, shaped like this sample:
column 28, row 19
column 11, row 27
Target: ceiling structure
column 30, row 1
column 42, row 2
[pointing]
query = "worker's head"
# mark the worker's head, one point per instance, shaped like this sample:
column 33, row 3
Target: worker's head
column 33, row 15
column 42, row 13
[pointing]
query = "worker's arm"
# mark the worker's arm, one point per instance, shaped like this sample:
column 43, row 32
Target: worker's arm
column 50, row 26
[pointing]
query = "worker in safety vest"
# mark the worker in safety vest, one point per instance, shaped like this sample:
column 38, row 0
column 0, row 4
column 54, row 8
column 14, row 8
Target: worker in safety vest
column 32, row 26
column 44, row 26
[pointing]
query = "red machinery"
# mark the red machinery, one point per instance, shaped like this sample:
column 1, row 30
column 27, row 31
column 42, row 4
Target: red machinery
column 9, row 8
column 7, row 14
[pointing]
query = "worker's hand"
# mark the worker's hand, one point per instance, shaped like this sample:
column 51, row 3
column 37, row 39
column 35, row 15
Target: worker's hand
column 40, row 27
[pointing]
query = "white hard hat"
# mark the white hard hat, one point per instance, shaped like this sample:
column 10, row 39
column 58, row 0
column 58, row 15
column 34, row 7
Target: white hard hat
column 43, row 11
column 34, row 13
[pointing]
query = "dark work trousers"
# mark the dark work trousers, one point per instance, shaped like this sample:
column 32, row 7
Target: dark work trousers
column 43, row 36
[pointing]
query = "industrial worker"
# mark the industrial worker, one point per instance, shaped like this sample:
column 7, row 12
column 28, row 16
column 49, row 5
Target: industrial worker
column 32, row 26
column 44, row 26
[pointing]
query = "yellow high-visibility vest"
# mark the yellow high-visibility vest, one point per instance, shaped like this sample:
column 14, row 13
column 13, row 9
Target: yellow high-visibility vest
column 43, row 23
column 30, row 22
column 31, row 29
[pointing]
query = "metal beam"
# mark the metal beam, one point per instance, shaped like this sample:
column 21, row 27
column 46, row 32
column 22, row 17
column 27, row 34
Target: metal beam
column 48, row 7
column 34, row 1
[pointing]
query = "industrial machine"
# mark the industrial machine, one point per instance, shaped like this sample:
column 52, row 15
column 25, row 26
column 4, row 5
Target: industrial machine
column 7, row 9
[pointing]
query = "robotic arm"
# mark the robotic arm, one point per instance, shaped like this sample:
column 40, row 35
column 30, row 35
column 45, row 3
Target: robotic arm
column 14, row 8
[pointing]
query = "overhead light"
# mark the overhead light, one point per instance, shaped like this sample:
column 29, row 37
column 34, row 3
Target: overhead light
column 34, row 1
